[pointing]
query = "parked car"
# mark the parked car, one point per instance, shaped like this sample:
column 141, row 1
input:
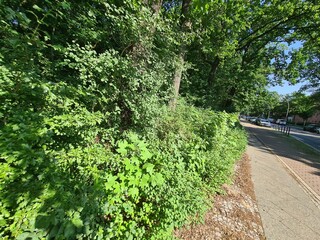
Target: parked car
column 253, row 120
column 281, row 122
column 311, row 127
column 263, row 122
column 271, row 120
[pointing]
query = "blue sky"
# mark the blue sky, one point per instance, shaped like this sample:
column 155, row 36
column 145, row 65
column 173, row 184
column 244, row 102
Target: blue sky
column 286, row 88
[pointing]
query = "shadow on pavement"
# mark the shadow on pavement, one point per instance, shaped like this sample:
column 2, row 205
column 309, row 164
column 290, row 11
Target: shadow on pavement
column 285, row 147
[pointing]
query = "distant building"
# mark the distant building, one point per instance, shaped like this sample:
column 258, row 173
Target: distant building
column 314, row 119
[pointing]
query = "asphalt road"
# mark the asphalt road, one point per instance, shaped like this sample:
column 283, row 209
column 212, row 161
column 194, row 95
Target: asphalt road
column 311, row 139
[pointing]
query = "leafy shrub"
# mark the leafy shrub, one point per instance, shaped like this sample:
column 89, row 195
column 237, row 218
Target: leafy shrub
column 209, row 141
column 134, row 188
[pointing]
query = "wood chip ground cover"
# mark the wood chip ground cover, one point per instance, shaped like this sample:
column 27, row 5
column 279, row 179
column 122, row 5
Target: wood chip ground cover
column 234, row 215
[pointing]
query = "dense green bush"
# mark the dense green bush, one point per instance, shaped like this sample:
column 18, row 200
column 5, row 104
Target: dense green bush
column 139, row 187
column 209, row 141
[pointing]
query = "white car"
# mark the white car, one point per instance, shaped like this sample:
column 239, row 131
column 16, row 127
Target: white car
column 264, row 122
column 281, row 122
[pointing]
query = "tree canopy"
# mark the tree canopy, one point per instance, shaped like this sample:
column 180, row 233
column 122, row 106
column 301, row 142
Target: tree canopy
column 229, row 48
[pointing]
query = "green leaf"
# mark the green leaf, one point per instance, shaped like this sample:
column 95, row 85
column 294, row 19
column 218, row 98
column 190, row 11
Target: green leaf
column 36, row 7
column 133, row 192
column 65, row 5
column 69, row 231
column 148, row 167
column 76, row 220
column 111, row 181
column 90, row 13
column 146, row 154
column 23, row 236
column 157, row 179
column 128, row 165
column 15, row 127
column 144, row 180
column 122, row 145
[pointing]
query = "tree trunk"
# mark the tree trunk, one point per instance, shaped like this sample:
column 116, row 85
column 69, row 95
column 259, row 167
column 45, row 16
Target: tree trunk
column 185, row 25
column 156, row 6
column 229, row 101
column 288, row 109
column 137, row 50
column 213, row 71
column 177, row 81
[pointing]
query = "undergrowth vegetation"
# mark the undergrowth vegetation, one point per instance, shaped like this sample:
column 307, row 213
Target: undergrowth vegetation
column 141, row 186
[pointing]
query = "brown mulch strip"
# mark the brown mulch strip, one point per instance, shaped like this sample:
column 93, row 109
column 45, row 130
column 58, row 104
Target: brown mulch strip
column 234, row 215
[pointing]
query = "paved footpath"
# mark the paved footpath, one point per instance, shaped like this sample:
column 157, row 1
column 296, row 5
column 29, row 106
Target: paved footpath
column 288, row 202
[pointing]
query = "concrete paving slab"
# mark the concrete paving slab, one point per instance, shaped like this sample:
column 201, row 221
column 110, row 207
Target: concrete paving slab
column 286, row 210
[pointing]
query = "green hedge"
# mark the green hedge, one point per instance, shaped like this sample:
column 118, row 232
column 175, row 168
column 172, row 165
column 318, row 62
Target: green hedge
column 141, row 187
